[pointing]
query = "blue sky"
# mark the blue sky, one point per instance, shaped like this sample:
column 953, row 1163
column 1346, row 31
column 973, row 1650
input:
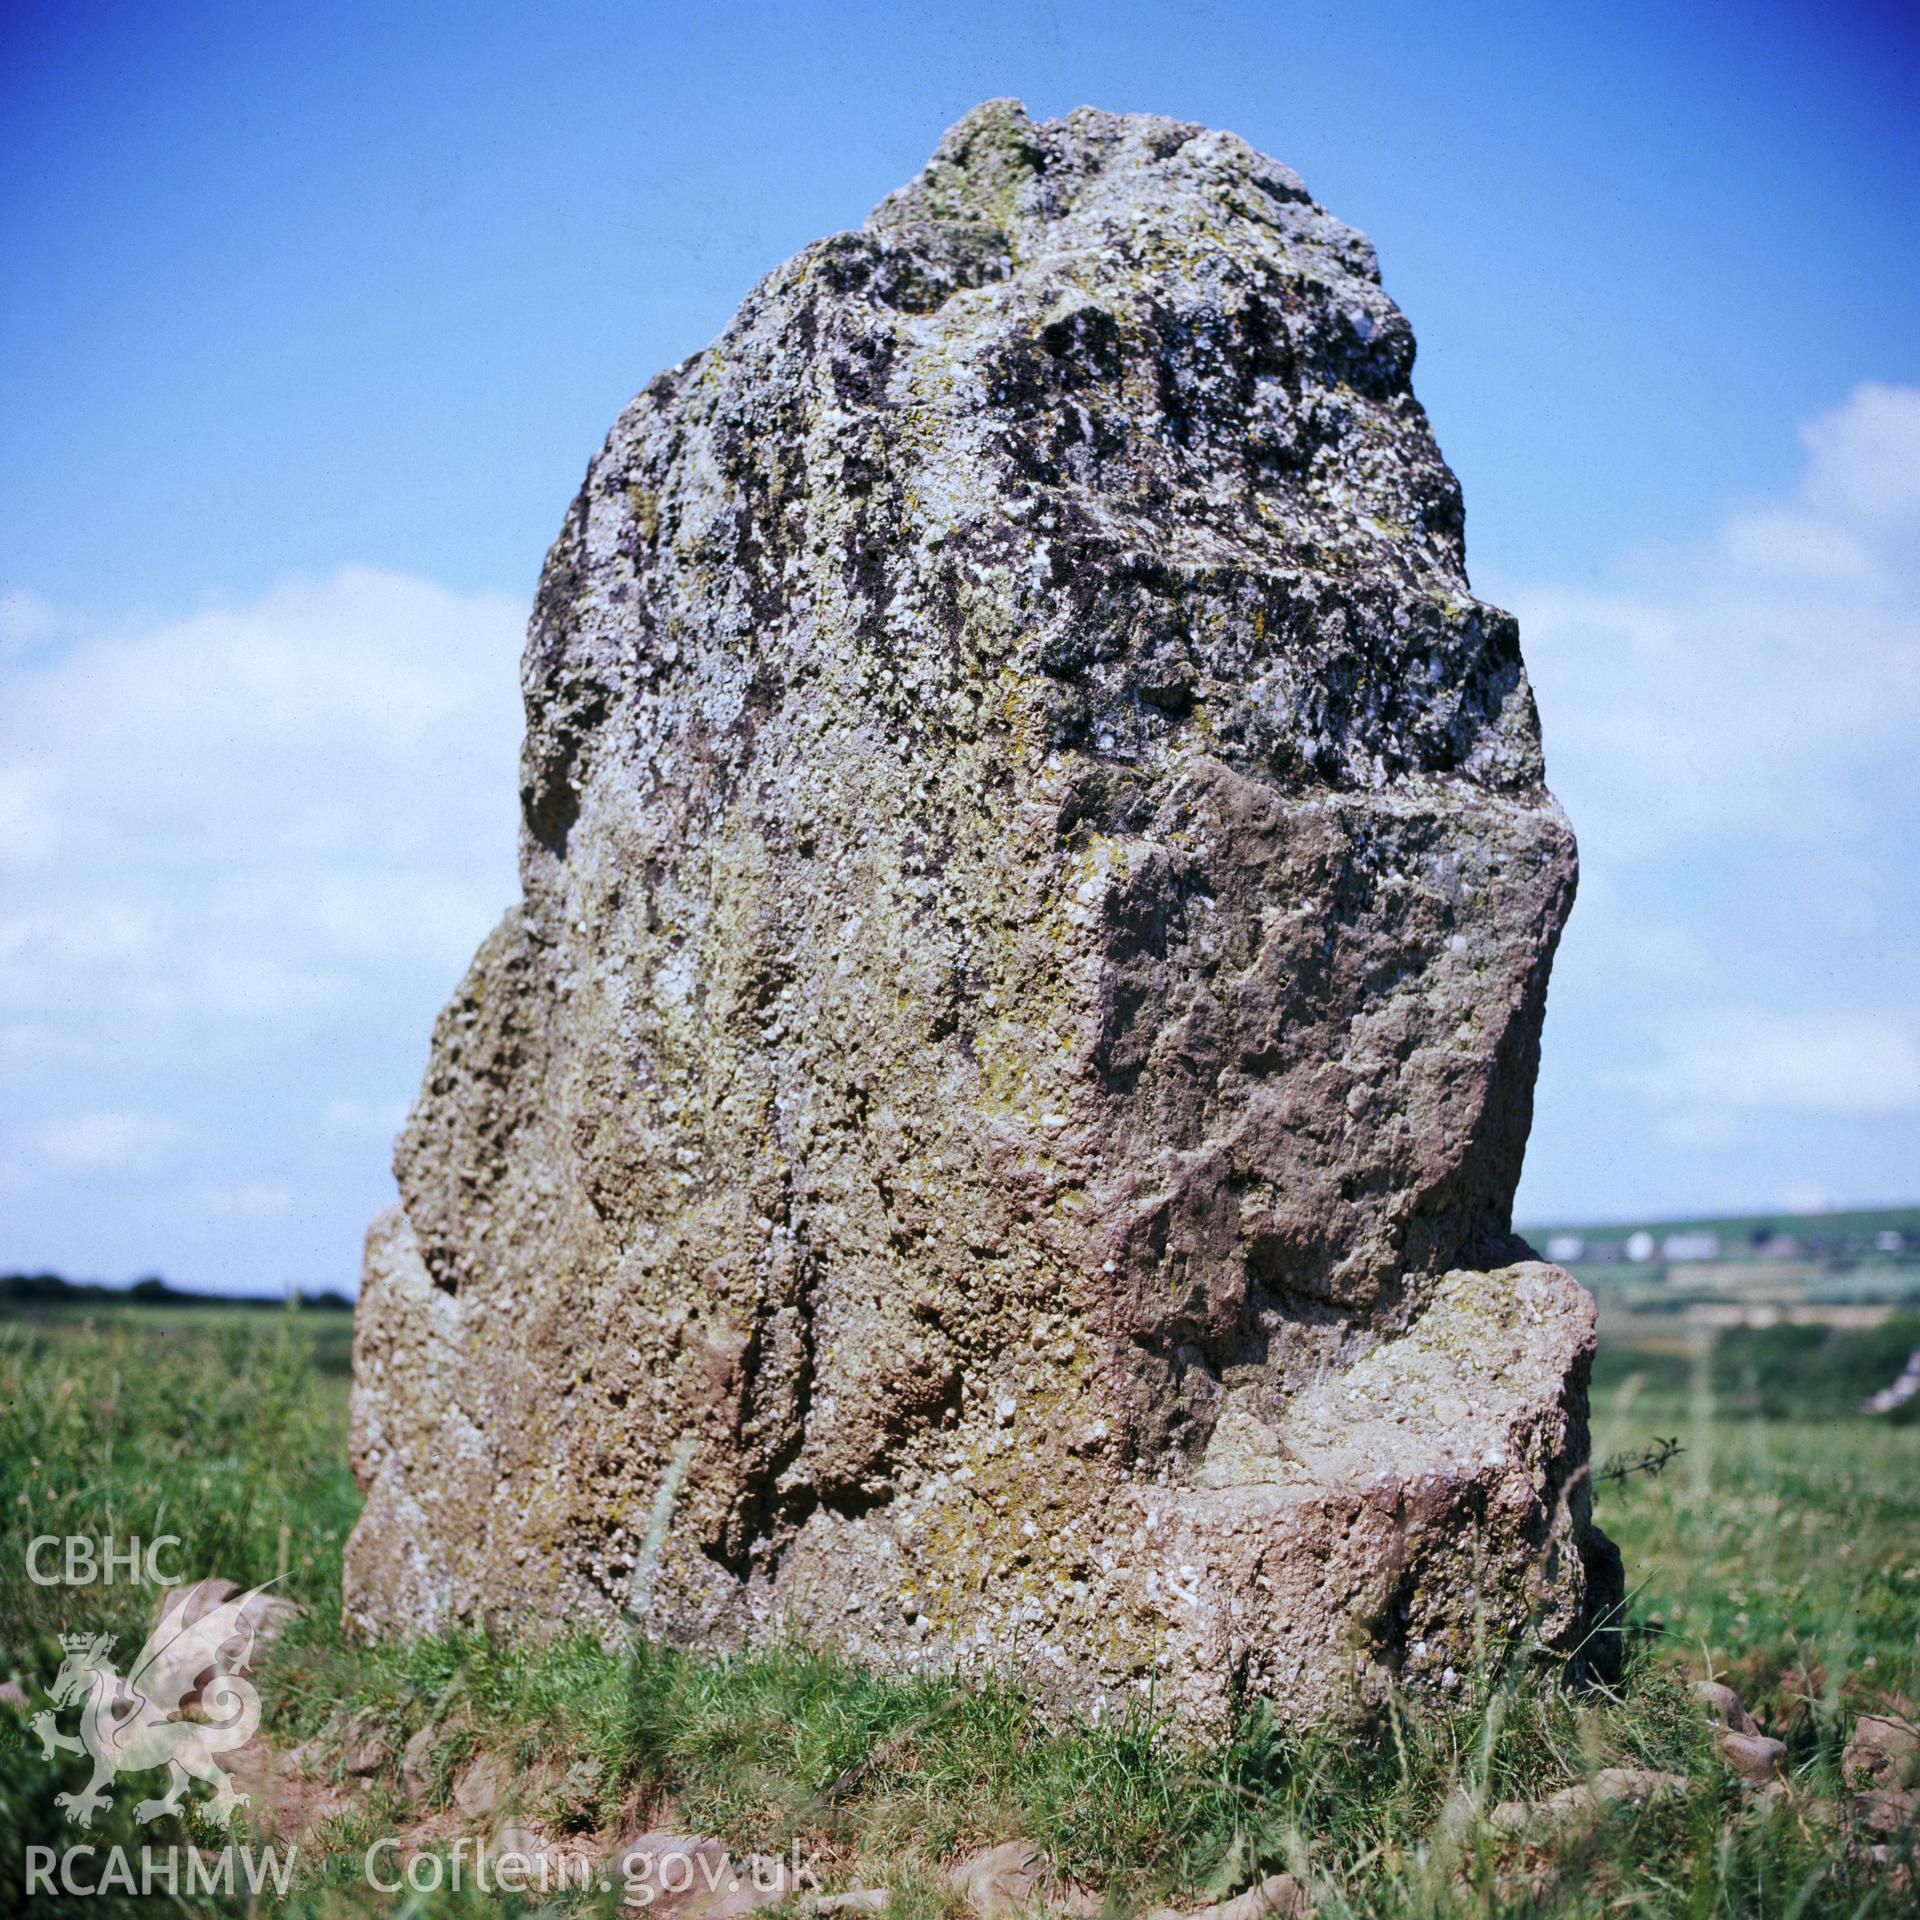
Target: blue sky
column 312, row 317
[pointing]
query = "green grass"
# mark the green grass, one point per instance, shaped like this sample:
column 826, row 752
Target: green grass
column 218, row 1429
column 1782, row 1547
column 1781, row 1550
column 227, row 1435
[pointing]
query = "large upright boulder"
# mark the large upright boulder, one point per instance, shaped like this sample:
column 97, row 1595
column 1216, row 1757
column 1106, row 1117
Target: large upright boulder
column 990, row 1136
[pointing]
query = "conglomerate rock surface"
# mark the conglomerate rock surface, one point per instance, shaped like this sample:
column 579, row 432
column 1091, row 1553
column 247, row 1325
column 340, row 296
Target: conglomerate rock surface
column 990, row 1137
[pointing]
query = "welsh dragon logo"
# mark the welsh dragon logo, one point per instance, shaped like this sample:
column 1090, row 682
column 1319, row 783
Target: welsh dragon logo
column 130, row 1723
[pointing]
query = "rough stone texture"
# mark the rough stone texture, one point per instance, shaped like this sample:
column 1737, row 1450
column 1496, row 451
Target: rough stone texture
column 1884, row 1751
column 991, row 1134
column 1575, row 1805
column 1279, row 1894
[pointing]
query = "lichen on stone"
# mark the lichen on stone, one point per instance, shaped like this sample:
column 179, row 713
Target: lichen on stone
column 1025, row 826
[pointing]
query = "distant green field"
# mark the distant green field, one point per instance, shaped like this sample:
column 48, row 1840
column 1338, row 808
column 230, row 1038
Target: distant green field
column 326, row 1337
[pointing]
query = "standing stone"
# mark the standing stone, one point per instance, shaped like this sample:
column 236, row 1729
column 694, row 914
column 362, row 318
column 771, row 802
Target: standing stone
column 991, row 1134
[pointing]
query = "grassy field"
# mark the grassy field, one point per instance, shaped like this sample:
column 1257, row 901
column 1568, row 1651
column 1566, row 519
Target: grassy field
column 1780, row 1550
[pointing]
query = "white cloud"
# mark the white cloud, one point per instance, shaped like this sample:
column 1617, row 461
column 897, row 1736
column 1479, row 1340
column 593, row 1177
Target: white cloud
column 1768, row 684
column 364, row 1120
column 255, row 1200
column 1863, row 467
column 1757, row 1061
column 1698, row 1129
column 112, row 1142
column 1735, row 730
column 254, row 815
column 244, row 857
column 25, row 618
column 1806, row 1199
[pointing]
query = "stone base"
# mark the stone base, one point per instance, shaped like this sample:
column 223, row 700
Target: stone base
column 1427, row 1500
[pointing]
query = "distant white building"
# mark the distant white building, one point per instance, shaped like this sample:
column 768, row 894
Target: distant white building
column 1640, row 1246
column 1565, row 1246
column 1690, row 1246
